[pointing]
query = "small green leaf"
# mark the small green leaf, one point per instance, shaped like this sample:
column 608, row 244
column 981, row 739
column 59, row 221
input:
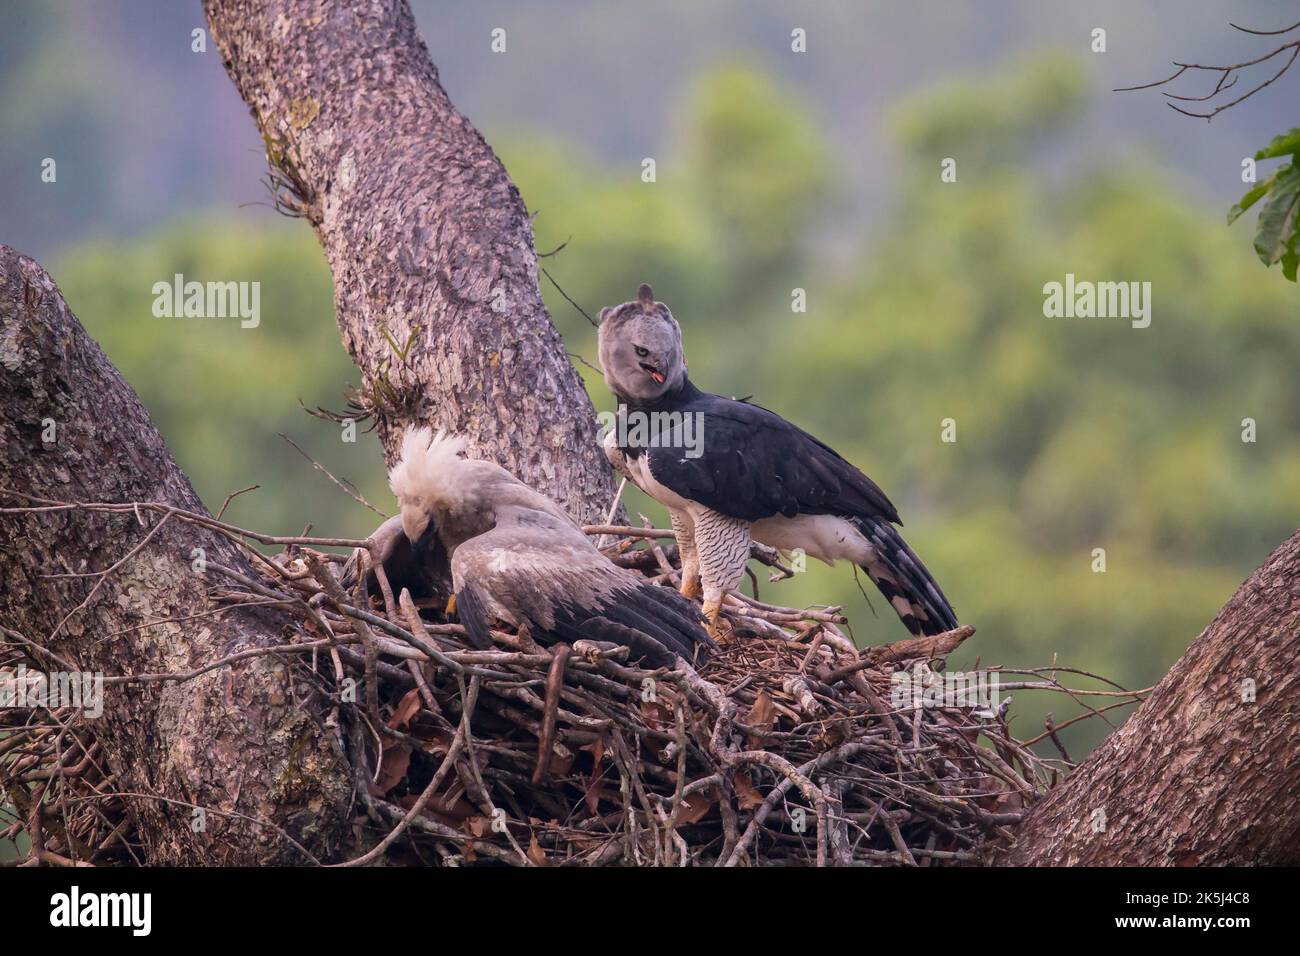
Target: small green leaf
column 1277, row 220
column 1252, row 196
column 1284, row 144
column 1291, row 259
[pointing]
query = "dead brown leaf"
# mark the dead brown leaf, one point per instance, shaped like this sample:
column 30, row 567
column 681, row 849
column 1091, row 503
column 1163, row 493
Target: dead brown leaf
column 407, row 708
column 657, row 714
column 747, row 795
column 535, row 852
column 592, row 795
column 763, row 716
column 392, row 767
column 696, row 806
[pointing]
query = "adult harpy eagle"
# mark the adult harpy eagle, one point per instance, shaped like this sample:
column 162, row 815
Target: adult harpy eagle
column 729, row 470
column 517, row 557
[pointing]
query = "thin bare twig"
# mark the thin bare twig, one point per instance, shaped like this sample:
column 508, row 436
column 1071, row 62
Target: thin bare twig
column 1228, row 76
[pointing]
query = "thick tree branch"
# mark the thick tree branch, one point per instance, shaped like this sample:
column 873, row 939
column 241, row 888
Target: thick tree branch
column 435, row 274
column 236, row 740
column 1200, row 774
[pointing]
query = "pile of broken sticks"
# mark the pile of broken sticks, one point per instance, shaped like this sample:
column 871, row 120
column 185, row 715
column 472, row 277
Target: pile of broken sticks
column 782, row 749
column 788, row 747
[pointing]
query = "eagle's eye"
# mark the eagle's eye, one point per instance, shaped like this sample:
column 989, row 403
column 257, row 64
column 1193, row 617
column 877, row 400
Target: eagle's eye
column 641, row 353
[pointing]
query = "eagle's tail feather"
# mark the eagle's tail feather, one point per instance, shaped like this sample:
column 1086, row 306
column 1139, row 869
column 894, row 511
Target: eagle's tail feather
column 905, row 582
column 645, row 649
column 649, row 609
column 657, row 623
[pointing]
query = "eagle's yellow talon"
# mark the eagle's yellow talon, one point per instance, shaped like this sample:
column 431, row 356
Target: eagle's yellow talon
column 451, row 606
column 717, row 628
column 691, row 588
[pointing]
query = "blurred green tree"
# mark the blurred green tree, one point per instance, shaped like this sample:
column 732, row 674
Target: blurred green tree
column 222, row 394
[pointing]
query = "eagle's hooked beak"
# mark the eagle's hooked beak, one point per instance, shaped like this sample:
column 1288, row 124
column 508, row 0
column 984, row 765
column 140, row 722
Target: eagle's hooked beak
column 428, row 538
column 655, row 374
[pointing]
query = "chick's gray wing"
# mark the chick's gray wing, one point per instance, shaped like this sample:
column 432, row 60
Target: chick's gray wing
column 534, row 569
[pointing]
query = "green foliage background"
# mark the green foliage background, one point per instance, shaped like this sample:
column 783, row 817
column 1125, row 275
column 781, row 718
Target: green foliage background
column 1073, row 434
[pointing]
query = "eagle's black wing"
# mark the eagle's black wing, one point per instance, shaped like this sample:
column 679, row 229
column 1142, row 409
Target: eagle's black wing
column 750, row 463
column 747, row 462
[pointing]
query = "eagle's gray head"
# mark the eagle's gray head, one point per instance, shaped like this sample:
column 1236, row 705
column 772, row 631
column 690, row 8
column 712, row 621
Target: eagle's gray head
column 641, row 348
column 453, row 497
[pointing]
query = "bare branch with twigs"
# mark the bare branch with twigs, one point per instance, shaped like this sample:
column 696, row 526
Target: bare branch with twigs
column 1227, row 78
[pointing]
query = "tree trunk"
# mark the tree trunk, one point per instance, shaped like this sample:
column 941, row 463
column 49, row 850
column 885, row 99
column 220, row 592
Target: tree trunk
column 1201, row 774
column 234, row 740
column 428, row 240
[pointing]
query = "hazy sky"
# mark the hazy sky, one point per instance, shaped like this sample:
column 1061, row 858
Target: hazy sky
column 144, row 130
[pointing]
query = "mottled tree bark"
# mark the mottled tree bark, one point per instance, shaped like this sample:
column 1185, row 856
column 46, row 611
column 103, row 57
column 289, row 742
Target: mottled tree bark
column 1200, row 774
column 234, row 740
column 428, row 240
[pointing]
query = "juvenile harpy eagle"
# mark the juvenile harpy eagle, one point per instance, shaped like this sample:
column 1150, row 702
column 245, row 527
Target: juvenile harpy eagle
column 733, row 470
column 517, row 557
column 420, row 566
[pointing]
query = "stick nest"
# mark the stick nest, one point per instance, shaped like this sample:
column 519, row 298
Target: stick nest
column 787, row 747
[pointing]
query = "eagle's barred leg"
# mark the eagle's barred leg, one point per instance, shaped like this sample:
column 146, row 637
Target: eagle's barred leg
column 684, row 530
column 722, row 544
